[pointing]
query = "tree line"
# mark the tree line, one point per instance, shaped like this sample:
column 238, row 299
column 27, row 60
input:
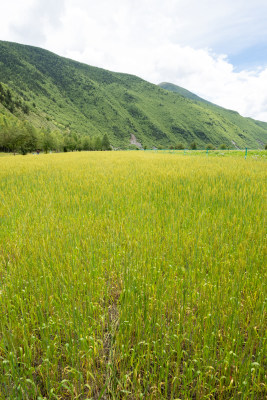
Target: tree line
column 21, row 137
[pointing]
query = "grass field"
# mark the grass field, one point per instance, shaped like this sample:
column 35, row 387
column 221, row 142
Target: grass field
column 132, row 275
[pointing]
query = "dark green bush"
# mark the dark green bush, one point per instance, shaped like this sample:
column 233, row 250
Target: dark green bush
column 193, row 145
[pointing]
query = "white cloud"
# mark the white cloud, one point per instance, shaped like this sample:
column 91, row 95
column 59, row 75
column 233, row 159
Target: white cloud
column 40, row 17
column 213, row 78
column 181, row 41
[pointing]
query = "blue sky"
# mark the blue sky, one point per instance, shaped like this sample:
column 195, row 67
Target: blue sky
column 215, row 48
column 250, row 57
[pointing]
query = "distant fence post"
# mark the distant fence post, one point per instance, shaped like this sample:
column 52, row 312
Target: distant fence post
column 246, row 153
column 207, row 152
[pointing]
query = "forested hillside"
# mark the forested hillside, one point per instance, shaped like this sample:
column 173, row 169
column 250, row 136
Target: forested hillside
column 68, row 103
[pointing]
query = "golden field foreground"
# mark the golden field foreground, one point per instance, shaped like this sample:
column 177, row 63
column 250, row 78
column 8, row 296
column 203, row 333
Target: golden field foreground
column 132, row 275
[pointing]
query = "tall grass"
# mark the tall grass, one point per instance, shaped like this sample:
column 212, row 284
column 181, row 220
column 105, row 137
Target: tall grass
column 132, row 276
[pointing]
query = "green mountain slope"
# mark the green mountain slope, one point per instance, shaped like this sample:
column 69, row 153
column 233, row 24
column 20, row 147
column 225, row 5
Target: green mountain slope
column 63, row 94
column 183, row 92
column 247, row 125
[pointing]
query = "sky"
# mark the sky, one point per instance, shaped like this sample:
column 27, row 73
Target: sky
column 215, row 48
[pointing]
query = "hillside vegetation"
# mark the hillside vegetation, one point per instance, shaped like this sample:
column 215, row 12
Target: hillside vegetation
column 53, row 93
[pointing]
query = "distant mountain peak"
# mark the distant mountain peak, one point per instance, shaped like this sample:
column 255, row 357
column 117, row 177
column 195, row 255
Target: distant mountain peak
column 183, row 92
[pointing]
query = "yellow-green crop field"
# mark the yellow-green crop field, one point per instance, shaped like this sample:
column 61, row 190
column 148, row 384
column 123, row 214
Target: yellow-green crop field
column 132, row 275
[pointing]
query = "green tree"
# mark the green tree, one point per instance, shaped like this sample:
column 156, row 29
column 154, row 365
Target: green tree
column 26, row 138
column 5, row 135
column 193, row 145
column 69, row 143
column 105, row 143
column 179, row 146
column 48, row 142
column 86, row 143
column 210, row 146
column 97, row 143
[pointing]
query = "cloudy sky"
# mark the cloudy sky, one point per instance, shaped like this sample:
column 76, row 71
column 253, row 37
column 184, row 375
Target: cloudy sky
column 215, row 48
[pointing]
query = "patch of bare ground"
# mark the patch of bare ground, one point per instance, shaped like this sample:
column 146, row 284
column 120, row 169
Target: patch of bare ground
column 134, row 141
column 234, row 143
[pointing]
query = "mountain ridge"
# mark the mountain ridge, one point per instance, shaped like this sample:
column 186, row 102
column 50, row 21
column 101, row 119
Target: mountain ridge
column 65, row 95
column 183, row 92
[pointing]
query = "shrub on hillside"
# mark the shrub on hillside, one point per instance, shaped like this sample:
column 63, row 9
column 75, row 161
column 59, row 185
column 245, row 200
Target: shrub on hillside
column 193, row 145
column 179, row 146
column 210, row 146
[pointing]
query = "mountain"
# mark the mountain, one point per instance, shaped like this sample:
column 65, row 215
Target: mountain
column 183, row 92
column 246, row 124
column 57, row 93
